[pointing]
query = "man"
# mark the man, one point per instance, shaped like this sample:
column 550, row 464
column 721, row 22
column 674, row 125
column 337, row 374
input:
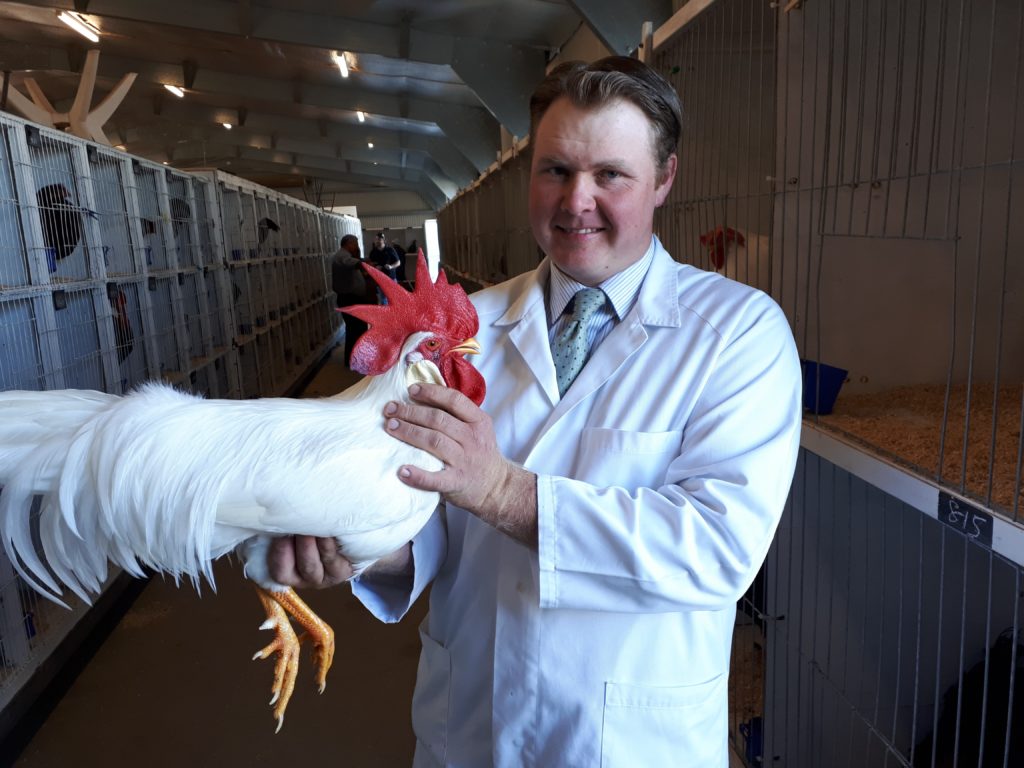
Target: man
column 384, row 257
column 350, row 287
column 597, row 532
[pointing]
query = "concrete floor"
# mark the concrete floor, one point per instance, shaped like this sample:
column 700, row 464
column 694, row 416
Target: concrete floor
column 174, row 685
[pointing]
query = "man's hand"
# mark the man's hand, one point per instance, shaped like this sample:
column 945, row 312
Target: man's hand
column 476, row 476
column 307, row 562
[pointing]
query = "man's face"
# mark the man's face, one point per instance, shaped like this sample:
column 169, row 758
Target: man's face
column 380, row 242
column 594, row 186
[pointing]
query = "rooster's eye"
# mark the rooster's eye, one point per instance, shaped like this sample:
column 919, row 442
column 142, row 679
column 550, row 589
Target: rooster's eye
column 433, row 344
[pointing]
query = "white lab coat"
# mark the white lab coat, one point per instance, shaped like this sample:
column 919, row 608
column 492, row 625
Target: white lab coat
column 662, row 475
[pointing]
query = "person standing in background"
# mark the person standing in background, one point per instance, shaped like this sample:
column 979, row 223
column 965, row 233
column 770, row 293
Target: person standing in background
column 349, row 286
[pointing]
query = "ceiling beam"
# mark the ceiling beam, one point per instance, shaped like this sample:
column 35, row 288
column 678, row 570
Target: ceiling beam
column 244, row 158
column 617, row 24
column 472, row 130
column 503, row 77
column 192, row 121
column 335, row 32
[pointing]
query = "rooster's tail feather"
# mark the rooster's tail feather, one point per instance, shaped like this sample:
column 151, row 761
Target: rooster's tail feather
column 35, row 430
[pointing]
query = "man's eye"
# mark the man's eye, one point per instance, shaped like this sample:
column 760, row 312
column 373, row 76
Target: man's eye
column 610, row 174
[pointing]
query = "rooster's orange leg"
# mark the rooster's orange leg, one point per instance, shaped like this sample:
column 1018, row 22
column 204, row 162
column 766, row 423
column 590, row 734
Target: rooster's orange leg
column 278, row 606
column 317, row 631
column 286, row 646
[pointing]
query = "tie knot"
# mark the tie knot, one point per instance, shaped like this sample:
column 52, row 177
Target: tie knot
column 586, row 302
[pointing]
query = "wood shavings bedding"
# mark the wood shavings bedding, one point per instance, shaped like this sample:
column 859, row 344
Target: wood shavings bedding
column 906, row 424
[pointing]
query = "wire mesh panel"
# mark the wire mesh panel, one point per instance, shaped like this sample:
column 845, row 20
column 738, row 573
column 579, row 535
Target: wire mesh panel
column 63, row 215
column 191, row 284
column 231, row 214
column 21, row 365
column 249, row 370
column 183, row 219
column 126, row 317
column 883, row 636
column 166, row 322
column 215, row 307
column 719, row 212
column 106, row 173
column 78, row 338
column 902, row 155
column 209, row 250
column 150, row 219
column 13, row 264
column 220, row 383
column 241, row 300
column 247, row 212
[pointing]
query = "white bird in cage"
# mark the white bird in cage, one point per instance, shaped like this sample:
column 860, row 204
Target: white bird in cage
column 167, row 480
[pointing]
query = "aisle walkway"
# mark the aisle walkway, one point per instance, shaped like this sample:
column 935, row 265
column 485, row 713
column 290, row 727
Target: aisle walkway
column 174, row 686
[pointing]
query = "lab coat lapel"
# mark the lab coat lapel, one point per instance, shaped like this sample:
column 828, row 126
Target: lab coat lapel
column 657, row 304
column 529, row 332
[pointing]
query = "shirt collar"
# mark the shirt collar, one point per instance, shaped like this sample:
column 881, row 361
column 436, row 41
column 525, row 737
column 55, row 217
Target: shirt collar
column 621, row 288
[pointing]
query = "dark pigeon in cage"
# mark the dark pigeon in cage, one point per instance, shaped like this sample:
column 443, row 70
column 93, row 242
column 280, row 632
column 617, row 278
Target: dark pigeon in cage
column 61, row 221
column 265, row 226
column 961, row 738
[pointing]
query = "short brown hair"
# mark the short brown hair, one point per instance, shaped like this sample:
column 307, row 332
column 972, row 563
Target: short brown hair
column 614, row 77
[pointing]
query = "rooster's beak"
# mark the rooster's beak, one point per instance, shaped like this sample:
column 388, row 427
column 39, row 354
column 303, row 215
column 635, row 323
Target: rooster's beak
column 468, row 347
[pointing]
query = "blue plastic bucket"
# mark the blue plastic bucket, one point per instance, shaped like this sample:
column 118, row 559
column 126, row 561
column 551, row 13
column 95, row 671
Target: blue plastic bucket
column 821, row 385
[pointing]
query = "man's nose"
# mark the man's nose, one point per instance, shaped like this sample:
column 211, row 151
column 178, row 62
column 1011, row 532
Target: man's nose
column 578, row 194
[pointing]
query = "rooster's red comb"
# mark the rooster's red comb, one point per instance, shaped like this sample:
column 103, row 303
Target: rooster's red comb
column 437, row 307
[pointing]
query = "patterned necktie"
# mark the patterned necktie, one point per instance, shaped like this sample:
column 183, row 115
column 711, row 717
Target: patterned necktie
column 570, row 347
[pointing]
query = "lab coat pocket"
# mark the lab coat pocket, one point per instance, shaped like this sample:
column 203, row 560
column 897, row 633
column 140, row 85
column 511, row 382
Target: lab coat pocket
column 618, row 457
column 682, row 726
column 430, row 700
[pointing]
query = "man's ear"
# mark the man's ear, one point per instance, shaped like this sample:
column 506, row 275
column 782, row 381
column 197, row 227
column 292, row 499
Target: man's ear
column 666, row 177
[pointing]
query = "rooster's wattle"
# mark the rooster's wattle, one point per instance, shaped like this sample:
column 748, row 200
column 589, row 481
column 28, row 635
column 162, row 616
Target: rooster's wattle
column 170, row 481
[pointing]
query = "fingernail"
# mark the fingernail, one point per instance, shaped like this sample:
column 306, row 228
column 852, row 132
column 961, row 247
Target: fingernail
column 390, row 408
column 414, row 389
column 392, row 423
column 404, row 472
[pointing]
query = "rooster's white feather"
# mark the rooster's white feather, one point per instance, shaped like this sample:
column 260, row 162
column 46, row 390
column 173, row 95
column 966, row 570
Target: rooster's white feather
column 171, row 481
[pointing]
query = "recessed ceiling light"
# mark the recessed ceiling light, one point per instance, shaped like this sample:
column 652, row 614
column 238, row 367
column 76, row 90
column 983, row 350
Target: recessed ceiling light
column 362, row 116
column 165, row 162
column 229, row 126
column 340, row 58
column 369, row 144
column 175, row 90
column 78, row 23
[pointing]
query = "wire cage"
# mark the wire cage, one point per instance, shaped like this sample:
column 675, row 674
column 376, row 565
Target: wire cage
column 21, row 361
column 66, row 215
column 181, row 210
column 157, row 251
column 14, row 267
column 115, row 270
column 107, row 171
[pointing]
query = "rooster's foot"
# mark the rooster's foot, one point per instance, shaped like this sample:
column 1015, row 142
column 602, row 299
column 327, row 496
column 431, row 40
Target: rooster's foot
column 286, row 646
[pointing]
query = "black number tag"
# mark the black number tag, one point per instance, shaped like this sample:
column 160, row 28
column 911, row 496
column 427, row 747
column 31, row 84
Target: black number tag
column 972, row 522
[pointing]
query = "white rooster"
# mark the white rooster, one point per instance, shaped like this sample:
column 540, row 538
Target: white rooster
column 171, row 481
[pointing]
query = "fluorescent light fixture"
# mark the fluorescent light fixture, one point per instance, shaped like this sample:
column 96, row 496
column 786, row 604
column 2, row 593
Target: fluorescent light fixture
column 80, row 25
column 175, row 90
column 229, row 126
column 369, row 144
column 342, row 62
column 361, row 115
